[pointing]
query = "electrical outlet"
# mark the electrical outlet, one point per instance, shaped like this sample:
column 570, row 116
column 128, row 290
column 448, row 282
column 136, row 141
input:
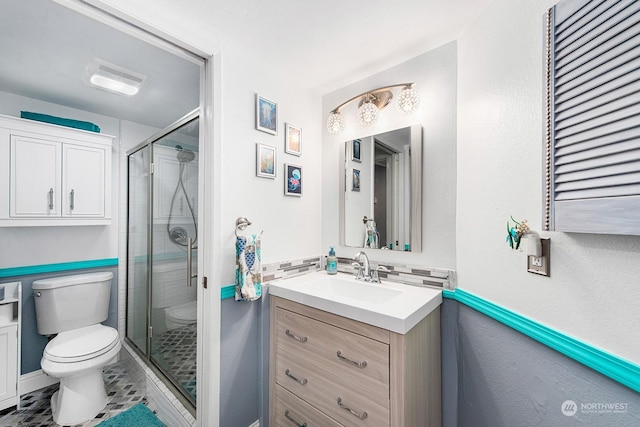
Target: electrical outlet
column 540, row 265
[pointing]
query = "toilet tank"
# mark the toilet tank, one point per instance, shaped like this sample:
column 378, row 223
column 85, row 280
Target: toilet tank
column 71, row 302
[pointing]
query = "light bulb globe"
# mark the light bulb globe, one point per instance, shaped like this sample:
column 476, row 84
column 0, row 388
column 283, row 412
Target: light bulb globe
column 335, row 123
column 408, row 100
column 368, row 113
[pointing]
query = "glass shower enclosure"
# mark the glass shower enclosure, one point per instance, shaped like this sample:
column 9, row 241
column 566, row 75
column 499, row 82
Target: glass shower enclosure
column 162, row 260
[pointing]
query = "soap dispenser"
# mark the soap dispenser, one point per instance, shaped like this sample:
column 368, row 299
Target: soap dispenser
column 332, row 262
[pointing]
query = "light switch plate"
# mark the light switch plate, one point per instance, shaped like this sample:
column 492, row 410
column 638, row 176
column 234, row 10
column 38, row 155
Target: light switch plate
column 540, row 265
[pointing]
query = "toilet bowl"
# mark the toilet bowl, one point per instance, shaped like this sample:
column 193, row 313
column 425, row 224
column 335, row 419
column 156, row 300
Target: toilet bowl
column 77, row 357
column 180, row 315
column 73, row 307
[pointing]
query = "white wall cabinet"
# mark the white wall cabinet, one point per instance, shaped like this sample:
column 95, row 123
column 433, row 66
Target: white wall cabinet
column 10, row 316
column 54, row 175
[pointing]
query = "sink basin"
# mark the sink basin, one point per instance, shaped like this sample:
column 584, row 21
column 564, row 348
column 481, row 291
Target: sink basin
column 350, row 290
column 393, row 306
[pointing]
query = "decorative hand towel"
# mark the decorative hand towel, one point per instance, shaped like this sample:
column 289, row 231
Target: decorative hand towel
column 248, row 268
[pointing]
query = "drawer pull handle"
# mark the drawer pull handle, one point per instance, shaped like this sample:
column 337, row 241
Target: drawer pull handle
column 293, row 420
column 360, row 365
column 346, row 408
column 295, row 337
column 290, row 375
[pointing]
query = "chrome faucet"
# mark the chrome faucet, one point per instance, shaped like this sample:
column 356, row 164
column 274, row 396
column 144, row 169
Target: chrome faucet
column 365, row 272
column 361, row 262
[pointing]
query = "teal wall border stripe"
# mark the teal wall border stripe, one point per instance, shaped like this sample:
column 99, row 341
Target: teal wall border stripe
column 52, row 268
column 228, row 291
column 612, row 366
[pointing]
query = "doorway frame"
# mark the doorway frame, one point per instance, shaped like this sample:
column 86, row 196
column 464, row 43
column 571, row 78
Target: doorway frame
column 209, row 192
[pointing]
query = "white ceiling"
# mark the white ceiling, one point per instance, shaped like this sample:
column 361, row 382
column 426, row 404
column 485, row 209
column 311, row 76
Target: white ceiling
column 46, row 49
column 326, row 43
column 323, row 44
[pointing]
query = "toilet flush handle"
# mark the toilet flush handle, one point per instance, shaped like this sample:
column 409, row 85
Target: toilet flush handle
column 37, row 294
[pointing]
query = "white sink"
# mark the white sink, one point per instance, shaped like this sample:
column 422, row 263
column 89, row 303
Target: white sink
column 388, row 305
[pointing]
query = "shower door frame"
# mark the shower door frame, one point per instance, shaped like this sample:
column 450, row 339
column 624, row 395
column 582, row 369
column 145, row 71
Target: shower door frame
column 170, row 382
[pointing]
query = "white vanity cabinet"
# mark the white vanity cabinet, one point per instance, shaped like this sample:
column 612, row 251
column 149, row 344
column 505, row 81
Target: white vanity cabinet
column 54, row 175
column 328, row 370
column 10, row 309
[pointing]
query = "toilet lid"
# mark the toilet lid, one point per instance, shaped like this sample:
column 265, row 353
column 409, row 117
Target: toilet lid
column 81, row 344
column 186, row 312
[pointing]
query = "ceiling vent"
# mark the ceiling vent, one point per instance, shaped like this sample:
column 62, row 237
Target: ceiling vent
column 113, row 78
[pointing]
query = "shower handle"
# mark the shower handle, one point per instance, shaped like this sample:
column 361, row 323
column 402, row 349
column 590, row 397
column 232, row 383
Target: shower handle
column 190, row 274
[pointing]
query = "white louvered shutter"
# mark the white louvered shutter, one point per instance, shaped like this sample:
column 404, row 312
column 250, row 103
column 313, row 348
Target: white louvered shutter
column 595, row 116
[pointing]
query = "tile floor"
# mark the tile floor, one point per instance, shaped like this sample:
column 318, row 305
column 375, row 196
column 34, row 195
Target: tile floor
column 36, row 412
column 175, row 351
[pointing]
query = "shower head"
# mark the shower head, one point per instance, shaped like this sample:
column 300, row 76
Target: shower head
column 184, row 156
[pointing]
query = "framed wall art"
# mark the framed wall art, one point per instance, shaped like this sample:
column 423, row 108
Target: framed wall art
column 293, row 180
column 266, row 115
column 355, row 182
column 355, row 151
column 265, row 161
column 293, row 139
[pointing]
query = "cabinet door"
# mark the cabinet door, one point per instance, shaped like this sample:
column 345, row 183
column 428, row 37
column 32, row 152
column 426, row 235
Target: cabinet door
column 35, row 177
column 83, row 181
column 8, row 362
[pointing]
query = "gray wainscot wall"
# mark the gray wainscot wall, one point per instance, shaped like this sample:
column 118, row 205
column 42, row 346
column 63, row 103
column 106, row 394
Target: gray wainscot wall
column 492, row 375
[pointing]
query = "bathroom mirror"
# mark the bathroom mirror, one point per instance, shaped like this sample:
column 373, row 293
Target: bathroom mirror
column 383, row 191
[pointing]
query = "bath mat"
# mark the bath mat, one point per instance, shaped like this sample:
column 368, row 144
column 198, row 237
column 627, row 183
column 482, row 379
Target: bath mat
column 139, row 416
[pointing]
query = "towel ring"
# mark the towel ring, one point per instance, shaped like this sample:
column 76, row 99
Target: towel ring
column 241, row 224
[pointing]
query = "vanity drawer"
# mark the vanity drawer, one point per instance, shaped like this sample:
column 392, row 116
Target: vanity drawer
column 309, row 379
column 356, row 361
column 293, row 411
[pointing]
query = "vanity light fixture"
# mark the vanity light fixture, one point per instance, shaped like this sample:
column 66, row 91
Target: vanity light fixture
column 113, row 78
column 371, row 102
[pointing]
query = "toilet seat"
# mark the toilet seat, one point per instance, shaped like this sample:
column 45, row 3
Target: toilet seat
column 81, row 344
column 182, row 314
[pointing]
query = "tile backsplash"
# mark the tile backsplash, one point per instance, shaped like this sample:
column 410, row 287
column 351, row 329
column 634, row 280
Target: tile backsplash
column 402, row 273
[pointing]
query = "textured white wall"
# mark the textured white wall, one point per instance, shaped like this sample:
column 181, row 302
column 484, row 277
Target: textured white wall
column 594, row 288
column 291, row 224
column 434, row 73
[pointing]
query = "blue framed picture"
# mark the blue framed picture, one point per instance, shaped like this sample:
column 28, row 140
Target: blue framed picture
column 293, row 180
column 266, row 115
column 265, row 161
column 355, row 151
column 355, row 184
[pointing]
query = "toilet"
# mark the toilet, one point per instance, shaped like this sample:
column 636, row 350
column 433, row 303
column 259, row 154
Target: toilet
column 73, row 307
column 180, row 315
column 173, row 302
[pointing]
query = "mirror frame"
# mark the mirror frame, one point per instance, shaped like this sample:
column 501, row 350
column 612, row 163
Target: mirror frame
column 416, row 188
